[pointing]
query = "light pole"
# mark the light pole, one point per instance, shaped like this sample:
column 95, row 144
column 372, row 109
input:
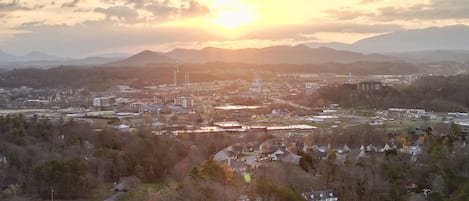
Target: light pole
column 52, row 193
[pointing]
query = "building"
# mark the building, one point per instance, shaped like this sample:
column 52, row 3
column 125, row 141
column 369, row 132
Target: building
column 369, row 86
column 311, row 87
column 228, row 124
column 326, row 195
column 104, row 101
column 184, row 101
column 256, row 87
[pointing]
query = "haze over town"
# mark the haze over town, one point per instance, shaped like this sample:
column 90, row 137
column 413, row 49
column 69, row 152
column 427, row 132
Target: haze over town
column 234, row 100
column 60, row 27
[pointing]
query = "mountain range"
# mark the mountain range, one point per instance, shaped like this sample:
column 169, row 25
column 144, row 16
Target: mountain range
column 417, row 46
column 300, row 54
column 39, row 59
column 416, row 40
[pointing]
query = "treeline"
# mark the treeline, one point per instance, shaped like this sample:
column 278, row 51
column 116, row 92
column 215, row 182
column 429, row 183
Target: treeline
column 101, row 77
column 433, row 93
column 39, row 154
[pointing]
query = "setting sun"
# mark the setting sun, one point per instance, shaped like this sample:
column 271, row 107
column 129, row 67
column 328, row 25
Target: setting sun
column 233, row 14
column 232, row 19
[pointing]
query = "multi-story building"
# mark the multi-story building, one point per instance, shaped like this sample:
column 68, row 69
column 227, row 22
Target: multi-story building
column 184, row 101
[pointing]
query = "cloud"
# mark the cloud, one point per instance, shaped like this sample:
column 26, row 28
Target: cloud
column 136, row 3
column 166, row 10
column 302, row 30
column 194, row 9
column 162, row 10
column 70, row 4
column 433, row 10
column 348, row 14
column 122, row 13
column 369, row 1
column 95, row 36
column 12, row 6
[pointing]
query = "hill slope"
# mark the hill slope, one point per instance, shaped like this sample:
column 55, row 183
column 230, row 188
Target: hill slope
column 270, row 55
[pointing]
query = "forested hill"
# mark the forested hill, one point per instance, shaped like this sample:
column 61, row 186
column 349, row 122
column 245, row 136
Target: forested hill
column 433, row 93
column 102, row 77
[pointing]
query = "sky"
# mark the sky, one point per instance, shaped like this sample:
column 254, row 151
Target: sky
column 78, row 28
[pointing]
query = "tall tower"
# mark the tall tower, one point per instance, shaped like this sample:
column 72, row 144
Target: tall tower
column 186, row 78
column 175, row 74
column 350, row 77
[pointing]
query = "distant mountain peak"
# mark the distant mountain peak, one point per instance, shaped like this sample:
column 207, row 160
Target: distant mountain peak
column 143, row 58
column 147, row 52
column 430, row 38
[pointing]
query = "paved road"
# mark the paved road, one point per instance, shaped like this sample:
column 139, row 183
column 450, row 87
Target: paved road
column 251, row 160
column 115, row 197
column 291, row 103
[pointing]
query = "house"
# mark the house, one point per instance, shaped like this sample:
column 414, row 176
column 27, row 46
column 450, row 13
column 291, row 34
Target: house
column 362, row 153
column 376, row 122
column 325, row 195
column 271, row 145
column 123, row 128
column 239, row 148
column 320, row 151
column 275, row 156
column 285, row 156
column 343, row 150
column 224, row 155
column 290, row 157
column 237, row 166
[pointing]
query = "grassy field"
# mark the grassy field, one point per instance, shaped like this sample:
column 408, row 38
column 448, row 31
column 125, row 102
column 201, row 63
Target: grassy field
column 102, row 192
column 141, row 192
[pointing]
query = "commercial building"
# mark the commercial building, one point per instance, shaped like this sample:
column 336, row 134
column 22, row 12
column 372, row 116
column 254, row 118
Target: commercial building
column 103, row 102
column 184, row 101
column 369, row 86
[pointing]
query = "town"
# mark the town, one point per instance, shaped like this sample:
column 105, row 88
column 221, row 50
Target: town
column 234, row 100
column 268, row 122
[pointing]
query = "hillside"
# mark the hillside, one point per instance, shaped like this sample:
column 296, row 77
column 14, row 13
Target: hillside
column 146, row 57
column 270, row 55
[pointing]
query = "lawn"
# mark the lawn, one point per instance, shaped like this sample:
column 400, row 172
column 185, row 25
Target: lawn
column 141, row 192
column 243, row 155
column 102, row 192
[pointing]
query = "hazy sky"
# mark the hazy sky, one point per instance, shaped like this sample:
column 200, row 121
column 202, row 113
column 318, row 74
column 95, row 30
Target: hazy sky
column 87, row 27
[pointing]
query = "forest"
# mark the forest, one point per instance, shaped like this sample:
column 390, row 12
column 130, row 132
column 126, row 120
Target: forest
column 101, row 77
column 433, row 93
column 39, row 154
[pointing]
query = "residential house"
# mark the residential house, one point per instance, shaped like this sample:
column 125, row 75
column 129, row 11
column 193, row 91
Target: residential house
column 326, row 195
column 224, row 155
column 285, row 156
column 237, row 166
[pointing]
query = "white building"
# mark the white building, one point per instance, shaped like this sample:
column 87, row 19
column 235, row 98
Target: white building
column 184, row 101
column 104, row 101
column 96, row 102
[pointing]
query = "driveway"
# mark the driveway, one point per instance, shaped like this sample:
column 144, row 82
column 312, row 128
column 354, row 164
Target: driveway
column 115, row 197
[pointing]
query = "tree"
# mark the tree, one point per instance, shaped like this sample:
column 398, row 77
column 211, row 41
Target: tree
column 462, row 194
column 306, row 161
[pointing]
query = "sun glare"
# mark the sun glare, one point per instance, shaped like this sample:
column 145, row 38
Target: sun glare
column 233, row 14
column 231, row 19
